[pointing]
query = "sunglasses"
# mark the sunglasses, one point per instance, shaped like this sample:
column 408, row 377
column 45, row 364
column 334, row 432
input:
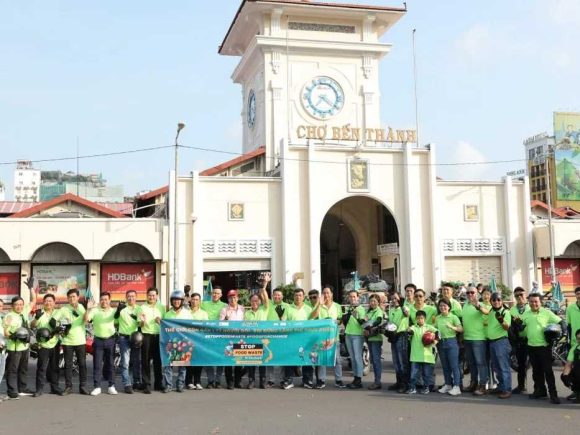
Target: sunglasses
column 313, row 297
column 519, row 295
column 469, row 293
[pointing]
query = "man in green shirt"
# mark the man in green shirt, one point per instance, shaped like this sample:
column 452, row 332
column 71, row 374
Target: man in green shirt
column 177, row 312
column 354, row 337
column 540, row 351
column 2, row 350
column 571, row 373
column 213, row 308
column 126, row 318
column 258, row 312
column 399, row 343
column 150, row 315
column 430, row 310
column 410, row 290
column 193, row 374
column 573, row 315
column 277, row 311
column 48, row 347
column 475, row 342
column 103, row 320
column 17, row 347
column 519, row 342
column 74, row 341
column 499, row 321
column 447, row 292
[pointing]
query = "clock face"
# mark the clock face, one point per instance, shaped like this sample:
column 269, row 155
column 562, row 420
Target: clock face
column 322, row 97
column 251, row 109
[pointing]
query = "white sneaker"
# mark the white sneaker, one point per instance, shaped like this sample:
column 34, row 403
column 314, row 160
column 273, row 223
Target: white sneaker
column 96, row 392
column 112, row 390
column 198, row 387
column 455, row 391
column 190, row 387
column 445, row 389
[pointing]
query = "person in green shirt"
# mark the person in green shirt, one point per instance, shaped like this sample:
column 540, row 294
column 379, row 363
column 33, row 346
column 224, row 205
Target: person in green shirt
column 410, row 290
column 540, row 351
column 420, row 305
column 447, row 290
column 475, row 342
column 213, row 309
column 126, row 318
column 571, row 373
column 485, row 295
column 276, row 312
column 2, row 350
column 48, row 346
column 499, row 321
column 193, row 374
column 573, row 315
column 74, row 342
column 399, row 315
column 103, row 320
column 354, row 337
column 150, row 315
column 17, row 350
column 449, row 326
column 519, row 342
column 422, row 355
column 177, row 312
column 374, row 317
column 258, row 312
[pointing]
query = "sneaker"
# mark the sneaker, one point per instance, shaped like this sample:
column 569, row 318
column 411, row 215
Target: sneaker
column 262, row 385
column 66, row 391
column 84, row 391
column 339, row 384
column 112, row 390
column 320, row 385
column 572, row 397
column 538, row 395
column 251, row 385
column 411, row 391
column 375, row 386
column 394, row 387
column 455, row 391
column 190, row 387
column 480, row 391
column 13, row 396
column 308, row 384
column 198, row 387
column 555, row 400
column 166, row 390
column 270, row 384
column 518, row 390
column 26, row 393
column 505, row 395
column 425, row 390
column 287, row 385
column 146, row 390
column 217, row 385
column 96, row 391
column 128, row 389
column 445, row 389
column 179, row 389
column 209, row 386
column 38, row 393
column 230, row 386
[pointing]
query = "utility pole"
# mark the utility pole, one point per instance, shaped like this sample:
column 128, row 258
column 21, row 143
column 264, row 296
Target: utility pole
column 180, row 126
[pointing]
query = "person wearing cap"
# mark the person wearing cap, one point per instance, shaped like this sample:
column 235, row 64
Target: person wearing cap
column 234, row 312
column 399, row 343
column 422, row 355
column 17, row 351
column 499, row 321
column 535, row 322
column 176, row 312
column 193, row 374
column 127, row 322
column 213, row 308
column 150, row 314
column 475, row 342
column 258, row 312
column 48, row 349
column 519, row 338
column 449, row 325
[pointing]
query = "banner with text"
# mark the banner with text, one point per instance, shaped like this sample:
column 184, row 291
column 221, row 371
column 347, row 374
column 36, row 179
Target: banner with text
column 222, row 343
column 9, row 282
column 117, row 278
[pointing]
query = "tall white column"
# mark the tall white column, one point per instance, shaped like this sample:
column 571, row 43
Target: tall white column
column 313, row 225
column 197, row 231
column 529, row 241
column 436, row 250
column 507, row 277
column 408, row 222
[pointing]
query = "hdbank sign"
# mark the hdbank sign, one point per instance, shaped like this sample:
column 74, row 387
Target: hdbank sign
column 119, row 277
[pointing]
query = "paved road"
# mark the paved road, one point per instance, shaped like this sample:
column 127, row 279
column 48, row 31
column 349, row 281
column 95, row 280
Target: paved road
column 328, row 411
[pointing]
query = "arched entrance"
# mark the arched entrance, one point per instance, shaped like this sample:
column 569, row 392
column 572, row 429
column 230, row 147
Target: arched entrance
column 350, row 233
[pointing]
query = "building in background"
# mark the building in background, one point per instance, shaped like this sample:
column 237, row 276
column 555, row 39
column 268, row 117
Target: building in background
column 92, row 186
column 26, row 182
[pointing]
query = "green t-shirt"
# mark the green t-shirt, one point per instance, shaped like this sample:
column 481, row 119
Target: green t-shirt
column 353, row 327
column 377, row 313
column 456, row 308
column 419, row 352
column 128, row 324
column 44, row 322
column 213, row 309
column 295, row 313
column 485, row 317
column 103, row 322
column 443, row 323
column 273, row 315
column 573, row 350
column 333, row 312
column 199, row 314
column 397, row 317
column 150, row 326
column 259, row 315
column 77, row 334
column 573, row 317
column 430, row 311
column 494, row 328
column 518, row 312
column 535, row 323
column 473, row 329
column 16, row 321
column 182, row 314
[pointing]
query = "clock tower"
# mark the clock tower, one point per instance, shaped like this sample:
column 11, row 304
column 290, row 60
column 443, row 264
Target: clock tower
column 309, row 73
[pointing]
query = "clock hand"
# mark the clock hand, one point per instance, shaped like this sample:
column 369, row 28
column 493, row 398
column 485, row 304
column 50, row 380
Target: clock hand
column 326, row 100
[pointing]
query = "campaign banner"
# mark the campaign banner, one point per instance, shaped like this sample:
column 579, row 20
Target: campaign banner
column 567, row 155
column 9, row 282
column 117, row 278
column 240, row 343
column 57, row 279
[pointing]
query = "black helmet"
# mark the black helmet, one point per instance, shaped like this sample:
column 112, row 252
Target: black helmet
column 136, row 339
column 2, row 343
column 552, row 332
column 43, row 335
column 63, row 327
column 22, row 335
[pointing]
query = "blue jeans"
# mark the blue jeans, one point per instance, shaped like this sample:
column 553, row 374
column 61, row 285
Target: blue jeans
column 354, row 345
column 104, row 360
column 376, row 350
column 426, row 371
column 449, row 352
column 337, row 367
column 214, row 374
column 2, row 364
column 475, row 351
column 130, row 357
column 500, row 361
column 168, row 377
column 400, row 351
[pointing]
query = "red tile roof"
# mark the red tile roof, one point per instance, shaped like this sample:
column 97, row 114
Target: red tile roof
column 11, row 207
column 153, row 193
column 241, row 159
column 125, row 208
column 64, row 198
column 555, row 211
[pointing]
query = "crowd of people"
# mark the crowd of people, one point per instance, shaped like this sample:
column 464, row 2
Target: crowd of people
column 481, row 334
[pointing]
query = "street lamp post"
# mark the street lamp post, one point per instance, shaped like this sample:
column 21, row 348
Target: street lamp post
column 550, row 227
column 180, row 126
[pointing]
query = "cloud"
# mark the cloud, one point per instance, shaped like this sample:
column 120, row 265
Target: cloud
column 466, row 153
column 562, row 12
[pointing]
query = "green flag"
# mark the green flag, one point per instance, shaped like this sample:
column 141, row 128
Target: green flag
column 492, row 285
column 208, row 288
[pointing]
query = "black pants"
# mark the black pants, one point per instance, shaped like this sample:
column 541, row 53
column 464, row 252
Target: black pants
column 150, row 351
column 575, row 374
column 104, row 360
column 81, row 353
column 261, row 373
column 521, row 352
column 16, row 371
column 193, row 375
column 542, row 373
column 233, row 374
column 47, row 368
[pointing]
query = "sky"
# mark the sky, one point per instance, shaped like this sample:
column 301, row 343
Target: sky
column 114, row 76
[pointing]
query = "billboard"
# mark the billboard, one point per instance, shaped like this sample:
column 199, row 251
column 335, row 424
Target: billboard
column 567, row 155
column 567, row 273
column 117, row 278
column 58, row 279
column 9, row 282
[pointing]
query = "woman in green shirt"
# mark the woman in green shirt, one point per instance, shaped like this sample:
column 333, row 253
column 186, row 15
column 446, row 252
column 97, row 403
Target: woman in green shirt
column 375, row 316
column 449, row 326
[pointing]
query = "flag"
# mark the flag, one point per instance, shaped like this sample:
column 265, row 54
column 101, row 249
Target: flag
column 492, row 285
column 208, row 288
column 557, row 293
